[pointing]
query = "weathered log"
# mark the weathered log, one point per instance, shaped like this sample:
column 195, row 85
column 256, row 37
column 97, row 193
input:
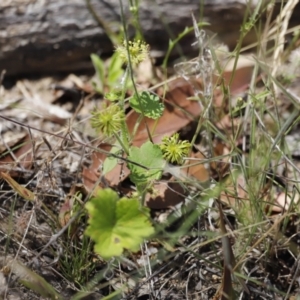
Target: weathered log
column 43, row 37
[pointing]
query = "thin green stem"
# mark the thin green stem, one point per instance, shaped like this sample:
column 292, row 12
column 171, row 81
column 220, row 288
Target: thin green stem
column 124, row 146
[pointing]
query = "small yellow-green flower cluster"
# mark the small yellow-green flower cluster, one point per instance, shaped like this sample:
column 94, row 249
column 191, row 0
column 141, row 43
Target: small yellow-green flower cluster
column 174, row 150
column 138, row 51
column 107, row 120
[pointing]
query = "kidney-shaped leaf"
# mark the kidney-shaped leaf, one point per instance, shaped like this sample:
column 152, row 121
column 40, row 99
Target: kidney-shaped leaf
column 116, row 224
column 147, row 103
column 150, row 157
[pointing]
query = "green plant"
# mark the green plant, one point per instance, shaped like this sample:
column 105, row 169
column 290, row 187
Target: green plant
column 145, row 163
column 113, row 222
column 108, row 75
column 77, row 261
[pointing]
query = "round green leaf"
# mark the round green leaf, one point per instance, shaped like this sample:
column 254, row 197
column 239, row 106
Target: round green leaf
column 148, row 104
column 151, row 158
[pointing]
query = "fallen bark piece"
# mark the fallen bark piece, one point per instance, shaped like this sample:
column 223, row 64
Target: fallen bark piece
column 43, row 37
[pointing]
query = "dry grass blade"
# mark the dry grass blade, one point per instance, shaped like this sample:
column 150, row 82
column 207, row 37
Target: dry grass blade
column 29, row 278
column 21, row 190
column 282, row 23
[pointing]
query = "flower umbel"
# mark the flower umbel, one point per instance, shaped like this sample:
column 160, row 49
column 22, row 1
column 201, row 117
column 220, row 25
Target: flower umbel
column 174, row 150
column 138, row 51
column 107, row 120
